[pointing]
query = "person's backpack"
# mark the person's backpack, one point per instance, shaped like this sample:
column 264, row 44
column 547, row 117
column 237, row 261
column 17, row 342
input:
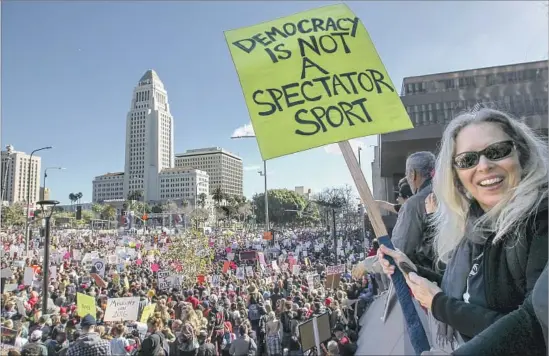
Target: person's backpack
column 286, row 321
column 32, row 349
column 162, row 345
column 253, row 312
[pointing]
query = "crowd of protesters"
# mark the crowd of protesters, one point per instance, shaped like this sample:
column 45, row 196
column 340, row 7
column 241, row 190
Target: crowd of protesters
column 226, row 313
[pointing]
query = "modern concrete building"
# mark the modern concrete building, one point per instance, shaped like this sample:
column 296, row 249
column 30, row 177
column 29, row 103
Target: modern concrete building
column 16, row 175
column 224, row 168
column 303, row 191
column 108, row 186
column 433, row 100
column 72, row 207
column 45, row 193
column 183, row 183
column 149, row 137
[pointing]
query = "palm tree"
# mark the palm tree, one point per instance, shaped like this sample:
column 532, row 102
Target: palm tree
column 135, row 195
column 218, row 196
column 72, row 198
column 79, row 196
column 202, row 200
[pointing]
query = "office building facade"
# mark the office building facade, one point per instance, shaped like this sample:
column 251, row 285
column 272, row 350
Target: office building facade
column 225, row 169
column 109, row 186
column 16, row 175
column 433, row 100
column 183, row 184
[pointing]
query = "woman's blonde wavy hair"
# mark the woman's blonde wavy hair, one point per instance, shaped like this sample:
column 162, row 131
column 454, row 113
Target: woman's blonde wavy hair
column 504, row 218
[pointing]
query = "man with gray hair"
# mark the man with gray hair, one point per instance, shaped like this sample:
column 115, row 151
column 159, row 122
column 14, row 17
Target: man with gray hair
column 408, row 233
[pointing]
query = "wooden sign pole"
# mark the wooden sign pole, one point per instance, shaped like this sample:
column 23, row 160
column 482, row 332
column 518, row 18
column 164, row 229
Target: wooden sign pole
column 417, row 334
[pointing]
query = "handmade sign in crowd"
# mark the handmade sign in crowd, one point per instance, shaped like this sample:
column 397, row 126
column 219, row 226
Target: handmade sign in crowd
column 85, row 305
column 122, row 309
column 335, row 269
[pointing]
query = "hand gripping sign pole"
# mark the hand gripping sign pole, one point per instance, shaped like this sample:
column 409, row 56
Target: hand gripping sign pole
column 415, row 328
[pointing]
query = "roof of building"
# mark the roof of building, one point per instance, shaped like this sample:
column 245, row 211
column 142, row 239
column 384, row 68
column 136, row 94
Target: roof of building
column 180, row 169
column 495, row 69
column 150, row 75
column 112, row 174
column 206, row 151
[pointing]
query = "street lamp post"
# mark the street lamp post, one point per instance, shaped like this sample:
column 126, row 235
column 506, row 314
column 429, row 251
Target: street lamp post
column 46, row 176
column 263, row 174
column 46, row 267
column 9, row 151
column 361, row 207
column 27, row 230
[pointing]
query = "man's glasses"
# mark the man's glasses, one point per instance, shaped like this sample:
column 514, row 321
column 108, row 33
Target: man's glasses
column 495, row 152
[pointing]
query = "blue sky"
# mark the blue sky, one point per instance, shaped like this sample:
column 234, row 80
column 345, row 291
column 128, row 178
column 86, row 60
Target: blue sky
column 69, row 68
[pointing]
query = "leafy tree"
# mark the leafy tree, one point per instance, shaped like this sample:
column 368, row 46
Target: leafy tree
column 135, row 195
column 170, row 207
column 341, row 200
column 109, row 212
column 97, row 209
column 190, row 255
column 14, row 215
column 202, row 200
column 284, row 205
column 199, row 216
column 157, row 209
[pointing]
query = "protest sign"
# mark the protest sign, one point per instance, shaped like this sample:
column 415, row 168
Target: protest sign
column 164, row 281
column 122, row 309
column 240, row 273
column 6, row 273
column 85, row 305
column 335, row 269
column 314, row 78
column 98, row 266
column 28, row 276
column 147, row 312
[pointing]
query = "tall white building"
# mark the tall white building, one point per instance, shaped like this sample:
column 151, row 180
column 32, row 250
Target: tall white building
column 183, row 183
column 149, row 137
column 15, row 176
column 224, row 168
column 108, row 186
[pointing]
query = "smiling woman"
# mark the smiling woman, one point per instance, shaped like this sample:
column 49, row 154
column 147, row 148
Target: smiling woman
column 491, row 229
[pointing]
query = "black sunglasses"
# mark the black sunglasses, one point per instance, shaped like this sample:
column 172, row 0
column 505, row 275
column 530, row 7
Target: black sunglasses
column 495, row 152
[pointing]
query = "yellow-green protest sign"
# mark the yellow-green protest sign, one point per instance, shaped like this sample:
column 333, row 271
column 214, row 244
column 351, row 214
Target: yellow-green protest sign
column 312, row 79
column 147, row 312
column 85, row 305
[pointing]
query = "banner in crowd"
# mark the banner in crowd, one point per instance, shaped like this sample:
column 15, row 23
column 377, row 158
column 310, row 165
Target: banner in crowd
column 335, row 269
column 122, row 309
column 314, row 78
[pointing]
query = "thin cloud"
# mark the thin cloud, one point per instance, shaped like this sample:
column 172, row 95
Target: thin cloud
column 246, row 130
column 355, row 144
column 252, row 168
